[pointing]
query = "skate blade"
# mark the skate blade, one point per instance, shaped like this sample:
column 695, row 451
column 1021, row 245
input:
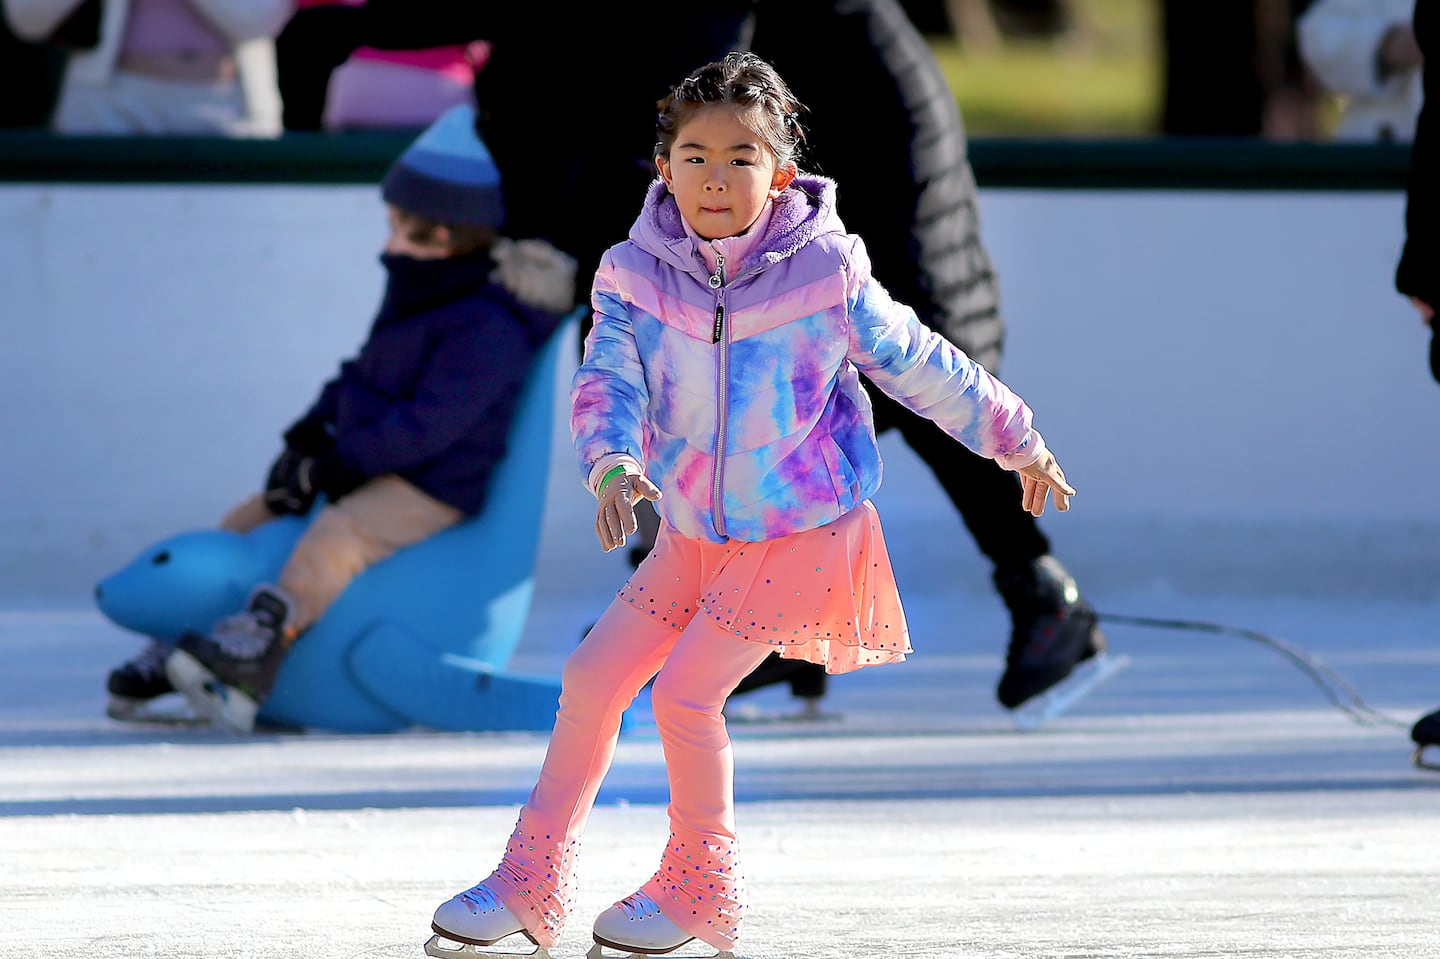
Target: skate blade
column 1058, row 698
column 1418, row 758
column 436, row 948
column 144, row 712
column 597, row 951
column 227, row 708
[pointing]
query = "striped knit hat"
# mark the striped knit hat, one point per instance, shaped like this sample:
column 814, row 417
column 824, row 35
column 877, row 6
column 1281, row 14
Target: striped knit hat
column 447, row 174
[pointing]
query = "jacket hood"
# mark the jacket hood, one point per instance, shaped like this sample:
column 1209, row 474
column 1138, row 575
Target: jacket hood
column 803, row 211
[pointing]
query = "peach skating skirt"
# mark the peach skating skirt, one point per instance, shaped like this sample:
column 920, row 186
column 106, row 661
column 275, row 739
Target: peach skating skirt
column 827, row 596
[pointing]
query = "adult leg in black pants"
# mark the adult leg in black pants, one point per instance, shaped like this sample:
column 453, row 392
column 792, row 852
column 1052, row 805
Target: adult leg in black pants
column 1052, row 627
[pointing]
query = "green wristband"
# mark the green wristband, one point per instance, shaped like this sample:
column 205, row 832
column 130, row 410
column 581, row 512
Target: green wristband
column 614, row 472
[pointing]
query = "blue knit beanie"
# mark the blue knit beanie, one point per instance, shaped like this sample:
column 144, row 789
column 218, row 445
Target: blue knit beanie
column 447, row 174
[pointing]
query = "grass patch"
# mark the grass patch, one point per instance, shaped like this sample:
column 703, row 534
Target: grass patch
column 1102, row 80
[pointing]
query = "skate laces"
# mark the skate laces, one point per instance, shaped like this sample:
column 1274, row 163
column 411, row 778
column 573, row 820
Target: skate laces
column 150, row 664
column 638, row 905
column 480, row 897
column 242, row 636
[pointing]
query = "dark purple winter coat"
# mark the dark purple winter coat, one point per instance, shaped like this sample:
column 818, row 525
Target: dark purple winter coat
column 431, row 393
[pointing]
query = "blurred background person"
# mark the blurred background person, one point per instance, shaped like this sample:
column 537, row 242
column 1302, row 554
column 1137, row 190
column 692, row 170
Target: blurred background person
column 328, row 81
column 986, row 25
column 1418, row 274
column 925, row 238
column 1365, row 52
column 31, row 73
column 201, row 67
column 1231, row 69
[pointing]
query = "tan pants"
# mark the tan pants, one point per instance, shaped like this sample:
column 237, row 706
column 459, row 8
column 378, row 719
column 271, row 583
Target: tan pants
column 383, row 516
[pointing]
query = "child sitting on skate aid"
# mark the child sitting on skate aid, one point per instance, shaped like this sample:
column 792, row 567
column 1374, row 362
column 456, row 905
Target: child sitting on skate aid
column 403, row 443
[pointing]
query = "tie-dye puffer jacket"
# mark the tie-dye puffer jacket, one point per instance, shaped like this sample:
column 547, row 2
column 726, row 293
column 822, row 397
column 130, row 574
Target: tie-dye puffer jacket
column 738, row 391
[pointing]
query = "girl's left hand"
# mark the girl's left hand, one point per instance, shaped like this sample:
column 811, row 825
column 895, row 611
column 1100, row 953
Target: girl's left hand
column 1037, row 481
column 615, row 513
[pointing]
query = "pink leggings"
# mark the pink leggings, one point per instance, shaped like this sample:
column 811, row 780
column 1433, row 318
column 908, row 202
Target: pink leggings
column 699, row 884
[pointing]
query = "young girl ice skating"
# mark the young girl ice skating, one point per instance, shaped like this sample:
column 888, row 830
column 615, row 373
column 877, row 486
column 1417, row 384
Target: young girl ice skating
column 723, row 368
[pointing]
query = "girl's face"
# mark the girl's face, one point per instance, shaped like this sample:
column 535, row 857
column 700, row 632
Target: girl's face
column 721, row 173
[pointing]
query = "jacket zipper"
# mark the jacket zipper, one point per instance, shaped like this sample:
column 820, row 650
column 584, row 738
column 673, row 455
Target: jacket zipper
column 722, row 379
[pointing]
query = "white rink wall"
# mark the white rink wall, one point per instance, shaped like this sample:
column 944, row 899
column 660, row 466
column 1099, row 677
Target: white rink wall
column 1229, row 378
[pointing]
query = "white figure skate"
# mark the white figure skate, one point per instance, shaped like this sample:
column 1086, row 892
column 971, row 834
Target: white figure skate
column 476, row 917
column 636, row 926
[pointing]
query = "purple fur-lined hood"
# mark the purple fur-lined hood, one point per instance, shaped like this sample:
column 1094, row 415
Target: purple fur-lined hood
column 800, row 213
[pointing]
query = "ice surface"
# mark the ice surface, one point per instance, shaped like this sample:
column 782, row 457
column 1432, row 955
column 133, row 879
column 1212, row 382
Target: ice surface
column 1206, row 802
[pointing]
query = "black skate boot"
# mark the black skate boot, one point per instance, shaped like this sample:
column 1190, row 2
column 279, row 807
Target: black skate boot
column 1053, row 630
column 134, row 684
column 1426, row 732
column 227, row 675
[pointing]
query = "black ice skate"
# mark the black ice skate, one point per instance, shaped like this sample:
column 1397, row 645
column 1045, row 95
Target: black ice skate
column 227, row 675
column 1426, row 732
column 1057, row 651
column 134, row 686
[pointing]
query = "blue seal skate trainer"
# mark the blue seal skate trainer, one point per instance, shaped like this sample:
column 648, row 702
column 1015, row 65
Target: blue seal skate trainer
column 421, row 639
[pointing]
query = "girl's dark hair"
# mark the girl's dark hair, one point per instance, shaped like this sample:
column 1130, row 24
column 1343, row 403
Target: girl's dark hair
column 745, row 81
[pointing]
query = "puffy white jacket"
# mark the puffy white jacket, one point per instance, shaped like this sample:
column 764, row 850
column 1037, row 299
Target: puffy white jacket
column 1339, row 41
column 250, row 25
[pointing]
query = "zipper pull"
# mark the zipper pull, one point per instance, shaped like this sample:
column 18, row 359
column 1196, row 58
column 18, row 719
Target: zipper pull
column 717, row 280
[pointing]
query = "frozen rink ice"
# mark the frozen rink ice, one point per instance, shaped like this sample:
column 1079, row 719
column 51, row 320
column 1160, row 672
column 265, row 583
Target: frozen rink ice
column 1207, row 802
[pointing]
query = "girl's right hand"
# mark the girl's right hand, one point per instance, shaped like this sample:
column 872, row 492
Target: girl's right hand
column 615, row 514
column 1039, row 479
